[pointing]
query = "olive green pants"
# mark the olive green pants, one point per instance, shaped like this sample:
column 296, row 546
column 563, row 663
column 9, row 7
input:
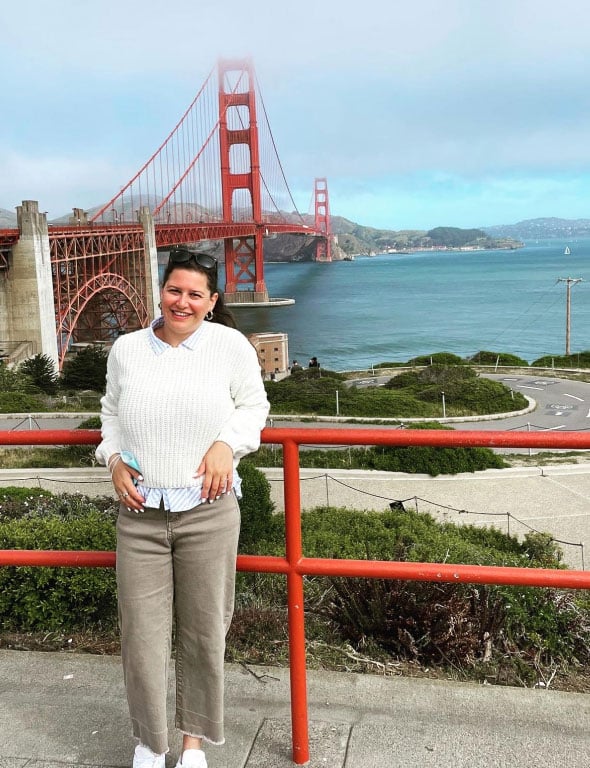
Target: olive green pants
column 176, row 566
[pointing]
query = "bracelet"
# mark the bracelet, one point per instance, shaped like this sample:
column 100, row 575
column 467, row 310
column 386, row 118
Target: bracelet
column 112, row 457
column 113, row 461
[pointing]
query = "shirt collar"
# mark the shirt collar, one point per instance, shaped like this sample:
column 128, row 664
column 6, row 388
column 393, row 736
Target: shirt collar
column 160, row 346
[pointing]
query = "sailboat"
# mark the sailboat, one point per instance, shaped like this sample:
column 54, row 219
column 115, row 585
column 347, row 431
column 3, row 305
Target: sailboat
column 567, row 251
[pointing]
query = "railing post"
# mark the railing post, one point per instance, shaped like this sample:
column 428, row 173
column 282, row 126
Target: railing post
column 294, row 552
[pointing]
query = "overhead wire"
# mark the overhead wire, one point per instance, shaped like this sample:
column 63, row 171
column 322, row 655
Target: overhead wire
column 513, row 323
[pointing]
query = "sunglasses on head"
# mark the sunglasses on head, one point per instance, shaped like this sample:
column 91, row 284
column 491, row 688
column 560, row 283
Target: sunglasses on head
column 186, row 255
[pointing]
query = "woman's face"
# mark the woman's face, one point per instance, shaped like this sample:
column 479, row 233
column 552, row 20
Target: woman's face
column 185, row 301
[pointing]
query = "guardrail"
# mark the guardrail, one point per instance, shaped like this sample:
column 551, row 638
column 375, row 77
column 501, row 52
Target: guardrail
column 295, row 565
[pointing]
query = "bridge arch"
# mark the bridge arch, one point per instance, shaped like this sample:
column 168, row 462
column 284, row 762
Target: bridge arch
column 106, row 305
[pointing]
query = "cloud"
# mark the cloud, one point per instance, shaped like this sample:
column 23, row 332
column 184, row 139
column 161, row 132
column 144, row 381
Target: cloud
column 58, row 183
column 380, row 96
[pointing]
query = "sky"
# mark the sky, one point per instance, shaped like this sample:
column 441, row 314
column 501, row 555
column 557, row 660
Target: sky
column 420, row 114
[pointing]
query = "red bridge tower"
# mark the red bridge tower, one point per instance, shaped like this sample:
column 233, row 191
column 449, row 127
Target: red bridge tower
column 323, row 249
column 244, row 263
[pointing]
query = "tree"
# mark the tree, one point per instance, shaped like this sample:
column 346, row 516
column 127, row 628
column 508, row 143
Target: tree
column 87, row 370
column 41, row 371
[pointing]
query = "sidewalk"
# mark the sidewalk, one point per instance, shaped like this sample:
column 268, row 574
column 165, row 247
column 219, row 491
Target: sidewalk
column 61, row 709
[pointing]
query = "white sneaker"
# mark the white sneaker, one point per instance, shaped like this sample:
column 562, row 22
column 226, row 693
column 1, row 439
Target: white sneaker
column 192, row 758
column 145, row 758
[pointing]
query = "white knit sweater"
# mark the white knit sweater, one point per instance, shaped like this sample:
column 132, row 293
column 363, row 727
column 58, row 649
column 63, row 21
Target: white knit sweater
column 169, row 408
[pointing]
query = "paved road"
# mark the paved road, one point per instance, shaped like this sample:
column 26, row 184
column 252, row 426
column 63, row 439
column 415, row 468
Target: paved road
column 561, row 403
column 10, row 422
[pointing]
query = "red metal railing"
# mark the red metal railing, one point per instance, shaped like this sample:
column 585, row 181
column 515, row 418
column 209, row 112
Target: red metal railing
column 295, row 566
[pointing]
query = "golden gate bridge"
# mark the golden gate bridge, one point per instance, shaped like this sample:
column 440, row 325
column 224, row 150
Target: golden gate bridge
column 216, row 177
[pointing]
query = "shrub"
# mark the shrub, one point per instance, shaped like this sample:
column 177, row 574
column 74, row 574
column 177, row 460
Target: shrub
column 13, row 381
column 411, row 459
column 496, row 358
column 437, row 358
column 40, row 598
column 443, row 623
column 377, row 402
column 577, row 360
column 18, row 394
column 15, row 502
column 306, row 391
column 426, row 622
column 389, row 365
column 447, row 376
column 256, row 508
column 428, row 460
column 78, row 455
column 465, row 392
column 92, row 422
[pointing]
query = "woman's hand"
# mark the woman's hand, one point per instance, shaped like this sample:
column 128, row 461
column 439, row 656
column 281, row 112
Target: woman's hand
column 122, row 476
column 216, row 469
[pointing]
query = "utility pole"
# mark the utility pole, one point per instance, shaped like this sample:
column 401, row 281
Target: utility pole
column 568, row 306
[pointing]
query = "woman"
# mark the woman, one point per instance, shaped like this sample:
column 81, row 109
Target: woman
column 184, row 402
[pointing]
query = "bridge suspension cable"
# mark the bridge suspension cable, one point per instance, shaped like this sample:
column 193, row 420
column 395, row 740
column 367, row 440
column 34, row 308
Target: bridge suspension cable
column 275, row 155
column 182, row 180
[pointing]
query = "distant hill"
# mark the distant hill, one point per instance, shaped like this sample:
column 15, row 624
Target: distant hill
column 353, row 239
column 7, row 219
column 542, row 228
column 357, row 239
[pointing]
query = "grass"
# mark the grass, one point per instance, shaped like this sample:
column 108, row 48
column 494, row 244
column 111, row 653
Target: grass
column 68, row 457
column 545, row 458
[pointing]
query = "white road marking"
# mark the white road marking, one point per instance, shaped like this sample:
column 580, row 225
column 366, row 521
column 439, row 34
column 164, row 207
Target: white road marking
column 581, row 399
column 540, row 388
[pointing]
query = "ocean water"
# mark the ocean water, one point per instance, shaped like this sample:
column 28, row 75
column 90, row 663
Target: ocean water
column 391, row 307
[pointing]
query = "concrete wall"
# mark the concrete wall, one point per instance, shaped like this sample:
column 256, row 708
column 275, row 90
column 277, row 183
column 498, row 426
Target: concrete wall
column 4, row 331
column 27, row 291
column 151, row 261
